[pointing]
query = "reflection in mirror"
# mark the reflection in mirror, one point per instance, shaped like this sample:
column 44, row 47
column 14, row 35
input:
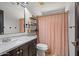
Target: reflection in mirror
column 11, row 18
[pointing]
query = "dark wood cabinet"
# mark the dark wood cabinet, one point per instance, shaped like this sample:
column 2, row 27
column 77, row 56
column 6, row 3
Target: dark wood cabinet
column 24, row 50
column 32, row 48
column 14, row 52
column 27, row 49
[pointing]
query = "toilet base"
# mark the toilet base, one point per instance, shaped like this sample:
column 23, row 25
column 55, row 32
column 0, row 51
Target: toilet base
column 40, row 53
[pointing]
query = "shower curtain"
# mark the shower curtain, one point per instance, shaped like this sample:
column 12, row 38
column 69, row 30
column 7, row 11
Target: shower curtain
column 53, row 31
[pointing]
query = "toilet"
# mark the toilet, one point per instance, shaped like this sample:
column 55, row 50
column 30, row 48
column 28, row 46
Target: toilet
column 41, row 49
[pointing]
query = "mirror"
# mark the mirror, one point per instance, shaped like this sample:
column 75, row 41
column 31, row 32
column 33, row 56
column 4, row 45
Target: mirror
column 11, row 18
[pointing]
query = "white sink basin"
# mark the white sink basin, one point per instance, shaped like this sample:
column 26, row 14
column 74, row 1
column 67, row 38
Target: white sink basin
column 5, row 40
column 17, row 39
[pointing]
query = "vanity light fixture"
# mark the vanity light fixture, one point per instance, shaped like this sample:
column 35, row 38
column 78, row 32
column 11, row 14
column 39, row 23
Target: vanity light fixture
column 23, row 4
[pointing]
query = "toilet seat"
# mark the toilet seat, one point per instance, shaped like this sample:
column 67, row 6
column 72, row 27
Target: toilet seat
column 42, row 46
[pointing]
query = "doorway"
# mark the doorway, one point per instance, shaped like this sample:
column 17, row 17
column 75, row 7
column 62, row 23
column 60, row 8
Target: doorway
column 1, row 22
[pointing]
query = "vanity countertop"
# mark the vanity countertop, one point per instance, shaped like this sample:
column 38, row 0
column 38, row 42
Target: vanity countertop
column 18, row 41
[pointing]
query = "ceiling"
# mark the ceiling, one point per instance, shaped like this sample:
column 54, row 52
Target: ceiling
column 36, row 8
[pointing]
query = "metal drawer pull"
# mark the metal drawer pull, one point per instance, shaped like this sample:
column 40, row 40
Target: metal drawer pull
column 18, row 52
column 21, row 50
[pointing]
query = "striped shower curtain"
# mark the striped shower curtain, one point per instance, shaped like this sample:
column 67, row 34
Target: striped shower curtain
column 53, row 31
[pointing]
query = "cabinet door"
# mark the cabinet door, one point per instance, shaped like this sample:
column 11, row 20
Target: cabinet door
column 20, row 51
column 14, row 52
column 24, row 50
column 32, row 48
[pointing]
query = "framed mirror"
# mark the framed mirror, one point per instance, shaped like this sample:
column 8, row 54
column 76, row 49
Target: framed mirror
column 12, row 18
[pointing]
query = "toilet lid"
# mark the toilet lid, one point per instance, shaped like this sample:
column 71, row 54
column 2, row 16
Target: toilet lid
column 42, row 46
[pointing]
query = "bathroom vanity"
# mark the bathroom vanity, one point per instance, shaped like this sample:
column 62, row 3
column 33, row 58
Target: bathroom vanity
column 21, row 46
column 14, row 36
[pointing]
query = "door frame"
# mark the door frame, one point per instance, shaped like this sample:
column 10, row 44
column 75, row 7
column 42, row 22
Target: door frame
column 76, row 39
